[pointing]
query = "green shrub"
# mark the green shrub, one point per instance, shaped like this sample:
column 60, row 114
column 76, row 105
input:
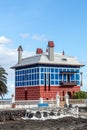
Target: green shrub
column 80, row 95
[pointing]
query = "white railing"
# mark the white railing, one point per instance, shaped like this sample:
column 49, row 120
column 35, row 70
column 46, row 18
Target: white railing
column 26, row 103
column 5, row 103
column 75, row 101
column 32, row 103
column 79, row 102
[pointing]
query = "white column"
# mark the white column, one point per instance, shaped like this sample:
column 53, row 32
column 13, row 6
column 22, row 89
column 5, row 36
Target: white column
column 57, row 100
column 67, row 99
column 41, row 101
column 13, row 101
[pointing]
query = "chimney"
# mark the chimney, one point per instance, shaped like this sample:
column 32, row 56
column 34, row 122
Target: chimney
column 47, row 50
column 39, row 51
column 51, row 50
column 63, row 53
column 19, row 54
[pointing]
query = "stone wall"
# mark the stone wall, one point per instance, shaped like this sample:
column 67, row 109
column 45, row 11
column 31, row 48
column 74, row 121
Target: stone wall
column 13, row 114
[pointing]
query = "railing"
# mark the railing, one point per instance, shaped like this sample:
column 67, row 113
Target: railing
column 71, row 83
column 78, row 101
column 32, row 103
column 26, row 102
column 7, row 103
column 4, row 104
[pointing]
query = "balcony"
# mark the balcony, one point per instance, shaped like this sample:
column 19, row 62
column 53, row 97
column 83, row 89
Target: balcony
column 72, row 83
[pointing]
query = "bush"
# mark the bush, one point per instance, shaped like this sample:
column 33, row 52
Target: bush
column 80, row 95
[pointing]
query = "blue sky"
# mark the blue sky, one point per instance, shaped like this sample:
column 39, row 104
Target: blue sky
column 32, row 23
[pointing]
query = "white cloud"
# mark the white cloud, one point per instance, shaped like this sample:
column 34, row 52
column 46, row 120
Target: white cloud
column 24, row 35
column 34, row 36
column 39, row 37
column 4, row 40
column 8, row 58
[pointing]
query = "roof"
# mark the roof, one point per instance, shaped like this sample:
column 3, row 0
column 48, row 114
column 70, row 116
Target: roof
column 42, row 58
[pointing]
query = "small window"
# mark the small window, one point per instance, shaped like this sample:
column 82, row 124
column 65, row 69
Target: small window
column 64, row 59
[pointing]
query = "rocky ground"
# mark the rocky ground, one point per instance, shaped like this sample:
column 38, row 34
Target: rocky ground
column 11, row 120
column 68, row 123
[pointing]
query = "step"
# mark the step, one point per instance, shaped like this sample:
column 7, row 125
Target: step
column 62, row 103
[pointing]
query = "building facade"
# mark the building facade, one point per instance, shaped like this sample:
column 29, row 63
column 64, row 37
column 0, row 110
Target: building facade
column 46, row 74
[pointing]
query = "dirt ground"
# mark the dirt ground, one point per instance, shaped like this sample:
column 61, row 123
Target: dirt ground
column 67, row 123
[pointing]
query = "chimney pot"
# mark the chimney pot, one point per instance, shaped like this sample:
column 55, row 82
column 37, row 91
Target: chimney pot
column 50, row 44
column 51, row 50
column 47, row 50
column 63, row 53
column 20, row 53
column 39, row 51
column 20, row 48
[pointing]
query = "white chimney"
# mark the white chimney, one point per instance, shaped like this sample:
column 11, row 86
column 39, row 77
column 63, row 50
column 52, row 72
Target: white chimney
column 19, row 54
column 51, row 50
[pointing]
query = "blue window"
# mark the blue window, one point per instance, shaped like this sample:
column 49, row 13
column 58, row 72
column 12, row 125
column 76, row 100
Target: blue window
column 56, row 70
column 42, row 69
column 68, row 70
column 16, row 72
column 21, row 78
column 20, row 72
column 32, row 82
column 77, row 70
column 64, row 77
column 42, row 75
column 60, row 76
column 42, row 82
column 25, row 77
column 37, row 70
column 33, row 70
column 20, row 83
column 56, row 76
column 60, row 70
column 52, row 82
column 37, row 82
column 72, row 76
column 28, row 71
column 77, row 77
column 52, row 69
column 48, row 69
column 17, row 78
column 78, row 82
column 56, row 82
column 52, row 76
column 29, row 77
column 16, row 84
column 29, row 82
column 73, row 70
column 33, row 76
column 64, row 70
column 38, row 76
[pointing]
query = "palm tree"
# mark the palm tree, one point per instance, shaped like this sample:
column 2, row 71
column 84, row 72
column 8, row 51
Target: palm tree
column 3, row 82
